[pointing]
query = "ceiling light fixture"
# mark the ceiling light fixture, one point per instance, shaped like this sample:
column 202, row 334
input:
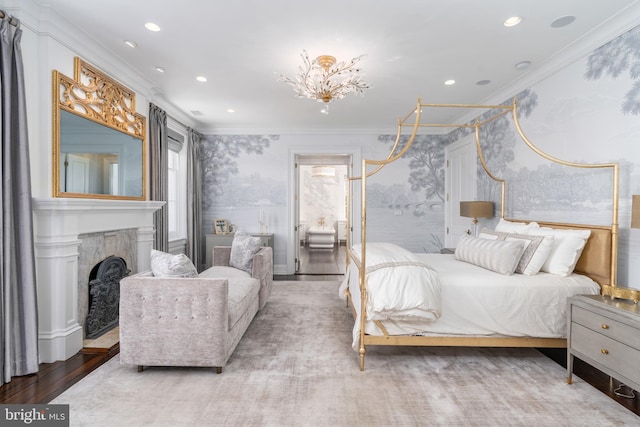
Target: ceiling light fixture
column 131, row 44
column 324, row 79
column 323, row 171
column 563, row 22
column 160, row 69
column 152, row 27
column 523, row 65
column 450, row 82
column 201, row 79
column 483, row 82
column 230, row 110
column 513, row 21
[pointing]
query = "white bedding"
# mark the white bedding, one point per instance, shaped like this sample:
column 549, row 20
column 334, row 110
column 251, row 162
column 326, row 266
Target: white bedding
column 479, row 302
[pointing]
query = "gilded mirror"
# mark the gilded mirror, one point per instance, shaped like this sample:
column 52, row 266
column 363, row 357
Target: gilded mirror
column 98, row 137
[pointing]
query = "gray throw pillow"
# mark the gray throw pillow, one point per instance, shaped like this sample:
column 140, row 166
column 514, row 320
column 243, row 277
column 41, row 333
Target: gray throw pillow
column 167, row 265
column 243, row 248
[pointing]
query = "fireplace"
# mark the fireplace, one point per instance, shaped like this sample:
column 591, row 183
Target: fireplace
column 104, row 296
column 123, row 228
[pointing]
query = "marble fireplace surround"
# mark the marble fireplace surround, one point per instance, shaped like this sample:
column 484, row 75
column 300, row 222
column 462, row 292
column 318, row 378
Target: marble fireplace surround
column 58, row 226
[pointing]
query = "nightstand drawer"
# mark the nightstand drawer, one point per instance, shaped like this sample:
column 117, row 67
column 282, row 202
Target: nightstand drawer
column 606, row 351
column 606, row 326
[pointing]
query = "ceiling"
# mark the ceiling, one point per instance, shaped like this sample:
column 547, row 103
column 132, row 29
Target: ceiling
column 411, row 48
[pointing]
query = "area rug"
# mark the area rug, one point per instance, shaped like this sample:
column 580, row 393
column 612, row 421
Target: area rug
column 295, row 367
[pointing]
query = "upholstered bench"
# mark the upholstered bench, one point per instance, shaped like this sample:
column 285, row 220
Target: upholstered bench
column 184, row 321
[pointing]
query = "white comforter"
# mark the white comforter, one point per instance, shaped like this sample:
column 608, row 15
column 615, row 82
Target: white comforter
column 479, row 302
column 399, row 286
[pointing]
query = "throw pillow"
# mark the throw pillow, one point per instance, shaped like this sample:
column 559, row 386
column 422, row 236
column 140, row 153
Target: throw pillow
column 496, row 255
column 536, row 252
column 167, row 265
column 243, row 248
column 565, row 251
column 513, row 226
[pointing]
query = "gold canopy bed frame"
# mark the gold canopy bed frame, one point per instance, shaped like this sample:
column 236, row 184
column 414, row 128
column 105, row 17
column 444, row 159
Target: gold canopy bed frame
column 598, row 260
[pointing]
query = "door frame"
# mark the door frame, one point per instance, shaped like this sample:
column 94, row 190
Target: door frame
column 353, row 169
column 467, row 142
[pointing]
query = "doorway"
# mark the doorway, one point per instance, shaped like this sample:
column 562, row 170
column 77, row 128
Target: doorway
column 321, row 209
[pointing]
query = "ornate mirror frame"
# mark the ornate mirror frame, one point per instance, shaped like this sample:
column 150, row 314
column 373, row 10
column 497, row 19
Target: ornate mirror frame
column 94, row 96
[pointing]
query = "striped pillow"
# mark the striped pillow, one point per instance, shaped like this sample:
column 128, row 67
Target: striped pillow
column 496, row 255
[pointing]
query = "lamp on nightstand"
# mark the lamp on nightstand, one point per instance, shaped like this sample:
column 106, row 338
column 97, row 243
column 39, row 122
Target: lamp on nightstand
column 476, row 209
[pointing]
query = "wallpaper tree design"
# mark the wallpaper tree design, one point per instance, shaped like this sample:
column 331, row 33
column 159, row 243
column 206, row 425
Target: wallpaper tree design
column 613, row 59
column 219, row 154
column 426, row 163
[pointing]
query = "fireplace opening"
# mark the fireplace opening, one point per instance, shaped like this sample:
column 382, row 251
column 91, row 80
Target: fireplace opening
column 104, row 296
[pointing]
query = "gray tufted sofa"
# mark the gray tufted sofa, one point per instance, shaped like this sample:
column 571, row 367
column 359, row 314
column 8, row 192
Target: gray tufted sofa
column 191, row 321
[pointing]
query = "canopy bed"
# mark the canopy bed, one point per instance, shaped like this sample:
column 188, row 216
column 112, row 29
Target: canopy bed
column 466, row 299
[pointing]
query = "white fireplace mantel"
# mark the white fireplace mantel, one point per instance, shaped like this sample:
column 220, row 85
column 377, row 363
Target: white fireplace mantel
column 57, row 224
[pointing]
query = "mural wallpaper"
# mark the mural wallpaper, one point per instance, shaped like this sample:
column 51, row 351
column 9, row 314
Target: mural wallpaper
column 586, row 112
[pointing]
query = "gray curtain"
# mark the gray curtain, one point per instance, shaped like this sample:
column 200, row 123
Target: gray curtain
column 194, row 200
column 18, row 302
column 158, row 173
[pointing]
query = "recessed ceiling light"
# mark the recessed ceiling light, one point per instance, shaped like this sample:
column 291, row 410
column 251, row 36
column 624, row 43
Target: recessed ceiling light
column 160, row 69
column 131, row 44
column 563, row 22
column 483, row 82
column 151, row 26
column 201, row 79
column 522, row 65
column 450, row 82
column 513, row 21
column 230, row 110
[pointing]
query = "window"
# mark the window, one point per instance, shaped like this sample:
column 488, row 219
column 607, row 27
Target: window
column 177, row 186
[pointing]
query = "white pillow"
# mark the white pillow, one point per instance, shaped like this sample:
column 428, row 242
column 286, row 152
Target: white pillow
column 496, row 255
column 514, row 227
column 167, row 265
column 487, row 233
column 536, row 252
column 565, row 251
column 243, row 247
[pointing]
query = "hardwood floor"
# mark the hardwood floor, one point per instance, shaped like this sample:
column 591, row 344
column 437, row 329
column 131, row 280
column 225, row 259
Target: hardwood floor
column 322, row 261
column 54, row 378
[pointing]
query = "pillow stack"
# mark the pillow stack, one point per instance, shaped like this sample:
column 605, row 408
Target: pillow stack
column 545, row 249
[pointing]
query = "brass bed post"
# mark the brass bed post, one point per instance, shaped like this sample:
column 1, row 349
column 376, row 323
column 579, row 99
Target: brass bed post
column 363, row 261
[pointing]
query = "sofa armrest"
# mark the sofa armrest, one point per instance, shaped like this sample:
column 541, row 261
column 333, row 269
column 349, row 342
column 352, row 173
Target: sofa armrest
column 173, row 321
column 263, row 271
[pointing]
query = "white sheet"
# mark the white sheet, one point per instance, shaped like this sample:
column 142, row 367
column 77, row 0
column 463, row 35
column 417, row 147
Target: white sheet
column 480, row 302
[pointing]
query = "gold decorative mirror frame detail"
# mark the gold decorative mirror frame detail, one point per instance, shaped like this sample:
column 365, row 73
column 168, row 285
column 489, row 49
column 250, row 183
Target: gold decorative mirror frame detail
column 92, row 98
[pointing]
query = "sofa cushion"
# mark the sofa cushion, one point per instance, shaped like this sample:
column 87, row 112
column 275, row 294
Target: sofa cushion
column 168, row 265
column 223, row 272
column 242, row 293
column 243, row 248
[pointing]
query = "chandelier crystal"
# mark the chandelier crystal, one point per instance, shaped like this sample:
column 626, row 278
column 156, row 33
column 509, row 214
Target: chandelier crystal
column 324, row 79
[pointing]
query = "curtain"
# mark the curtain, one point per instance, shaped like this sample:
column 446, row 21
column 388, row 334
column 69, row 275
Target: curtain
column 158, row 173
column 194, row 198
column 18, row 301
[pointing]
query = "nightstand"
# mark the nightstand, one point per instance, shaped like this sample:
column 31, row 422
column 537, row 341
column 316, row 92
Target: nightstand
column 605, row 333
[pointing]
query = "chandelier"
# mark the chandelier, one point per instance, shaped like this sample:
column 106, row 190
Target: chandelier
column 324, row 79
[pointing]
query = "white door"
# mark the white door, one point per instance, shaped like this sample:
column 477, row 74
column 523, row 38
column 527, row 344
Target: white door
column 461, row 160
column 75, row 178
column 296, row 220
